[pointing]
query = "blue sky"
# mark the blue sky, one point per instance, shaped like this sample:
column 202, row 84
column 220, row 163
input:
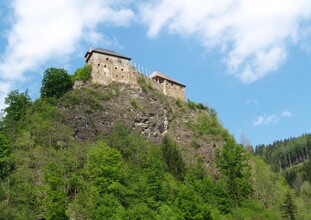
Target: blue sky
column 250, row 60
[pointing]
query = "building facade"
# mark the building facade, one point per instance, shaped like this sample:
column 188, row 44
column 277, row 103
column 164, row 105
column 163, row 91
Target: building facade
column 109, row 66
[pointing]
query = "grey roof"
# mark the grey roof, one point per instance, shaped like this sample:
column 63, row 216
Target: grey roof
column 161, row 75
column 107, row 52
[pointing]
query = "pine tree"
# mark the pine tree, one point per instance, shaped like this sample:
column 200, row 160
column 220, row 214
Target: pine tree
column 288, row 208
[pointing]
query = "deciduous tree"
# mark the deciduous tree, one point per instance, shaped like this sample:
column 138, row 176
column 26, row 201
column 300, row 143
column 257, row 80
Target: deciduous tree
column 232, row 164
column 55, row 83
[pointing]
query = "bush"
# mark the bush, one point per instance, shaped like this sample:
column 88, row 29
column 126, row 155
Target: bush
column 192, row 105
column 134, row 103
column 179, row 103
column 83, row 74
column 144, row 83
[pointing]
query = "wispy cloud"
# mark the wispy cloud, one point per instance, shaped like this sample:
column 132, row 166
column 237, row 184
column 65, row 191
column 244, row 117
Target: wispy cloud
column 253, row 102
column 43, row 30
column 286, row 114
column 265, row 120
column 253, row 35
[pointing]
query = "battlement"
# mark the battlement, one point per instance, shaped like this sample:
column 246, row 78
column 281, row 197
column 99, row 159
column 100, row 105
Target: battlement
column 109, row 66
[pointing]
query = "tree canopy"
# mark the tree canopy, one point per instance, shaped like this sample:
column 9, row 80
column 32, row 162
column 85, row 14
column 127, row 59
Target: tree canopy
column 55, row 83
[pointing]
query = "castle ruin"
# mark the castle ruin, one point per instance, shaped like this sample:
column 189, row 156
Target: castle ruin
column 109, row 66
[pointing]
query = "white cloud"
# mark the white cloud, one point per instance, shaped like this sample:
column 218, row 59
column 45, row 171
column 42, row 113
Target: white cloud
column 265, row 120
column 5, row 87
column 44, row 29
column 286, row 114
column 271, row 119
column 253, row 35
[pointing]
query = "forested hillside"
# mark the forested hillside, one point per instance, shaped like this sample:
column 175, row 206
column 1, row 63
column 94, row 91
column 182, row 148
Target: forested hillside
column 121, row 152
column 291, row 159
column 286, row 153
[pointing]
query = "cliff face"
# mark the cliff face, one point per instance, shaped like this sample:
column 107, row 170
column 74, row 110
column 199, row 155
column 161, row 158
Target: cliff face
column 93, row 111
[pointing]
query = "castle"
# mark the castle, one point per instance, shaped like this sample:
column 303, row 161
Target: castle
column 109, row 66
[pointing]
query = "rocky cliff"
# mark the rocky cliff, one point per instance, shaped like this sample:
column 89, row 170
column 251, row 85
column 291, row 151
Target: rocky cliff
column 93, row 111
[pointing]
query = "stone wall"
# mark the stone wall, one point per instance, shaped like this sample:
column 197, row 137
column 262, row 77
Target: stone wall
column 106, row 69
column 172, row 89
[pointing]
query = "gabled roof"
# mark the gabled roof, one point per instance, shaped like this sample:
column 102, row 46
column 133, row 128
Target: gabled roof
column 106, row 52
column 163, row 76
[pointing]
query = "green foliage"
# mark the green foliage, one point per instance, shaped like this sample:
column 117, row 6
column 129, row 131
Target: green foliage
column 268, row 187
column 144, row 83
column 83, row 74
column 288, row 207
column 191, row 205
column 55, row 201
column 18, row 105
column 233, row 165
column 192, row 105
column 55, row 83
column 126, row 176
column 104, row 166
column 286, row 153
column 254, row 211
column 134, row 103
column 139, row 211
column 179, row 103
column 172, row 157
column 104, row 206
column 207, row 125
column 5, row 156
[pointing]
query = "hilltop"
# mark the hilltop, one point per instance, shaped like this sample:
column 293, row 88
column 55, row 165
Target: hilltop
column 125, row 151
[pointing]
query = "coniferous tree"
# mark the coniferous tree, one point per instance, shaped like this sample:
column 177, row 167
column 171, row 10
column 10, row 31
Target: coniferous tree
column 289, row 208
column 172, row 158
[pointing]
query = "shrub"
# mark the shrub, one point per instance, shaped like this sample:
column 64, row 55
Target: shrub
column 179, row 103
column 193, row 105
column 134, row 103
column 144, row 83
column 83, row 74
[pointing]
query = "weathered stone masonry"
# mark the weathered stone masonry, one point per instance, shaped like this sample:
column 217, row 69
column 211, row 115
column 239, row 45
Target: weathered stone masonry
column 109, row 66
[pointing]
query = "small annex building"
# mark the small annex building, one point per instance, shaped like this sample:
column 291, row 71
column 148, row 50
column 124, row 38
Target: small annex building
column 169, row 86
column 109, row 66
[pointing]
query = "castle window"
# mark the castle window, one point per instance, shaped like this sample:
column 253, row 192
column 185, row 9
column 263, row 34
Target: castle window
column 107, row 58
column 105, row 65
column 98, row 64
column 116, row 68
column 119, row 61
column 121, row 69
